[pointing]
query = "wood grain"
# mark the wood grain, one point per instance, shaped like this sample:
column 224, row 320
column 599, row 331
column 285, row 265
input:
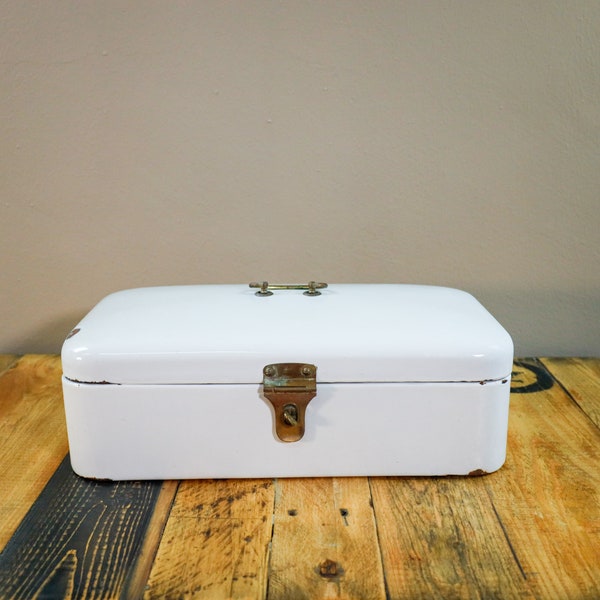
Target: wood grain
column 325, row 541
column 547, row 496
column 581, row 379
column 33, row 439
column 81, row 539
column 216, row 542
column 136, row 581
column 6, row 361
column 440, row 538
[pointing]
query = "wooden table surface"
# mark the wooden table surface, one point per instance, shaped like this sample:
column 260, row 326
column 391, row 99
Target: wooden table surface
column 530, row 530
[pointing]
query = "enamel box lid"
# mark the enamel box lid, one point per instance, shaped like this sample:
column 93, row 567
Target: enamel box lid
column 211, row 334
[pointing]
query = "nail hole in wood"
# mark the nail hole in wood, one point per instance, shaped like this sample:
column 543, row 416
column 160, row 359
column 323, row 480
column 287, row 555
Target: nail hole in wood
column 344, row 513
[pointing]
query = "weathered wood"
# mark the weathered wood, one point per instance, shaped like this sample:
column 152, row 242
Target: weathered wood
column 216, row 542
column 581, row 379
column 440, row 538
column 547, row 496
column 6, row 361
column 81, row 539
column 33, row 439
column 136, row 582
column 325, row 541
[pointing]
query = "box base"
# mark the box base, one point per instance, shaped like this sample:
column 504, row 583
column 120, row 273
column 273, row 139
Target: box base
column 124, row 432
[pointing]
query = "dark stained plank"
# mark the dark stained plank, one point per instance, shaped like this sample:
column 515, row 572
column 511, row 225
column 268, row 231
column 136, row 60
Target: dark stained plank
column 80, row 539
column 137, row 581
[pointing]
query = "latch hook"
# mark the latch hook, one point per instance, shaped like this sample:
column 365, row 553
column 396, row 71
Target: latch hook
column 289, row 387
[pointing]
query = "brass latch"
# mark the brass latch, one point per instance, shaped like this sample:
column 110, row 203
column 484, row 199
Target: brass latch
column 289, row 387
column 311, row 288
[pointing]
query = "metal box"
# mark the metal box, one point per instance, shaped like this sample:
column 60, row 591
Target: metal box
column 217, row 381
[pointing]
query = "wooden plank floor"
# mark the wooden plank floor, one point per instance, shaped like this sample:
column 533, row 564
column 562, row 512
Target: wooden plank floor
column 531, row 530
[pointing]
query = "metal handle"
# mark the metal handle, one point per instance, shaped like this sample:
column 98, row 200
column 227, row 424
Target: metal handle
column 312, row 287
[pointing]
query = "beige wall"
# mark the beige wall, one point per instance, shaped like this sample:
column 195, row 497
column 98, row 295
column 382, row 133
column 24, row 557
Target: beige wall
column 451, row 143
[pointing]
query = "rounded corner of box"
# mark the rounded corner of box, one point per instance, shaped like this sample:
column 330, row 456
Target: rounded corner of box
column 495, row 467
column 73, row 359
column 87, row 474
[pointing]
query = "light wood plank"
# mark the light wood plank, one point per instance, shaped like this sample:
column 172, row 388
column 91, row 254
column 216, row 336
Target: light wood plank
column 548, row 494
column 216, row 541
column 6, row 361
column 440, row 538
column 581, row 379
column 325, row 541
column 33, row 439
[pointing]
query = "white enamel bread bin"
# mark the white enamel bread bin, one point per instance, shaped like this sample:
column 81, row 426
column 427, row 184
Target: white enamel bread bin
column 218, row 381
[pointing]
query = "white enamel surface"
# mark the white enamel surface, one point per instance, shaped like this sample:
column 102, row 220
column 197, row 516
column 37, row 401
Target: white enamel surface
column 226, row 334
column 217, row 431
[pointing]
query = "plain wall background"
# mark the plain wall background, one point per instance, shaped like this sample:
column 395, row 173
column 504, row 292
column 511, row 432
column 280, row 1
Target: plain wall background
column 449, row 143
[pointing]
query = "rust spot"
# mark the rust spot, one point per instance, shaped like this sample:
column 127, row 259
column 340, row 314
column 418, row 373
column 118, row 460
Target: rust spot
column 73, row 332
column 477, row 473
column 91, row 382
column 292, row 512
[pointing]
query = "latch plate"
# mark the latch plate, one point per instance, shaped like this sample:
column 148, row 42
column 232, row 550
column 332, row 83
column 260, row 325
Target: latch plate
column 289, row 387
